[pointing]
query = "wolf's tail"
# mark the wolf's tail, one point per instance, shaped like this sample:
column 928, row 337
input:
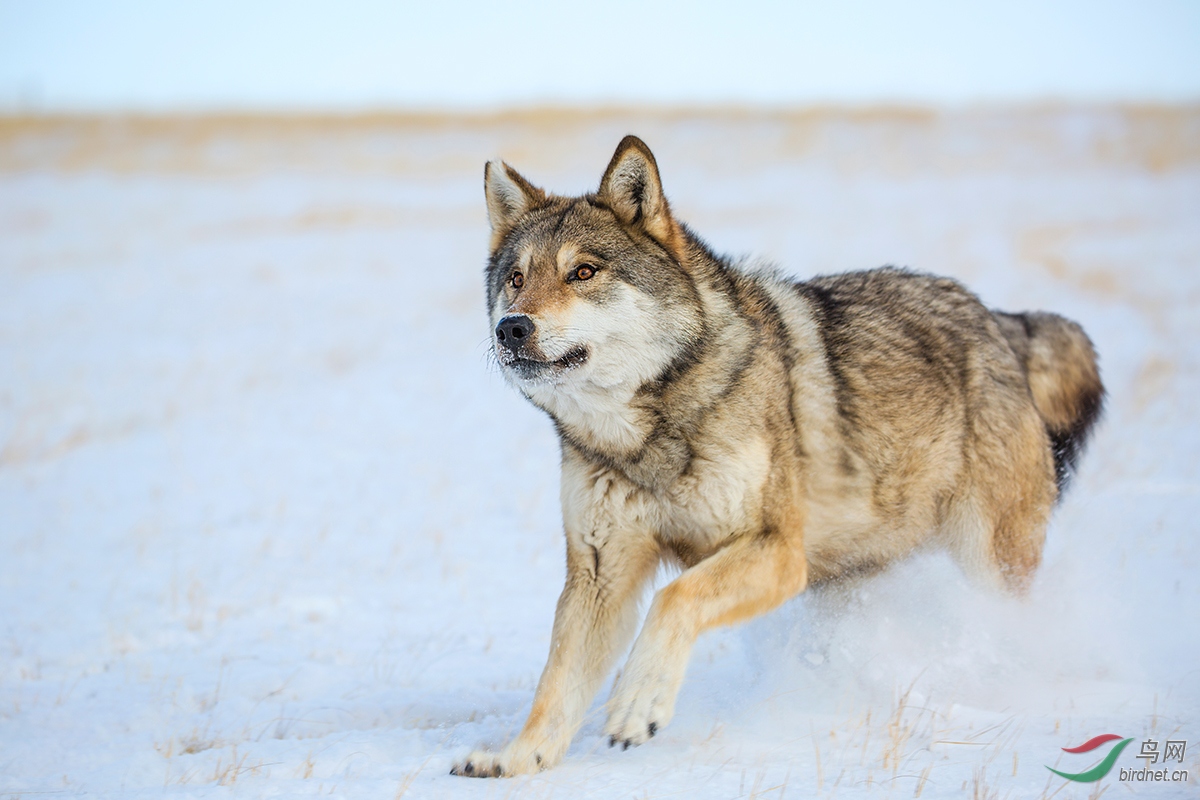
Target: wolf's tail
column 1060, row 365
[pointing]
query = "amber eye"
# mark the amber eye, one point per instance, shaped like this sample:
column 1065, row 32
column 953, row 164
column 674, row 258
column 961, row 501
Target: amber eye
column 518, row 280
column 583, row 273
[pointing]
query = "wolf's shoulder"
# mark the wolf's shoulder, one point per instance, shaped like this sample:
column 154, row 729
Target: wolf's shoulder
column 891, row 326
column 890, row 296
column 886, row 287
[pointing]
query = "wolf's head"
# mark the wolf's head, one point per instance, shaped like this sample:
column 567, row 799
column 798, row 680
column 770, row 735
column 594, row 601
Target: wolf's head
column 591, row 291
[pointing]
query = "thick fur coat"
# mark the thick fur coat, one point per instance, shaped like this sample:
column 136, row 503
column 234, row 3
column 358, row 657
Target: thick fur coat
column 763, row 434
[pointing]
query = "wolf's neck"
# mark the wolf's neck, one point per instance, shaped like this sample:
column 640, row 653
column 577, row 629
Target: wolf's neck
column 603, row 419
column 643, row 429
column 624, row 432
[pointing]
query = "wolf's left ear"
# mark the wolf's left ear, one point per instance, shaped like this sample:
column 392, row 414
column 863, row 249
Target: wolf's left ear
column 508, row 197
column 632, row 189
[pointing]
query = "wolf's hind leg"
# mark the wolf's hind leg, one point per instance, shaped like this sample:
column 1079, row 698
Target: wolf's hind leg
column 752, row 575
column 595, row 619
column 997, row 529
column 1000, row 548
column 1018, row 534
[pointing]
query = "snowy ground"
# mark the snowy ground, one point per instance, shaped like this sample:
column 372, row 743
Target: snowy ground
column 258, row 530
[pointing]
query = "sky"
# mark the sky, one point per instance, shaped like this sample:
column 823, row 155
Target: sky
column 66, row 55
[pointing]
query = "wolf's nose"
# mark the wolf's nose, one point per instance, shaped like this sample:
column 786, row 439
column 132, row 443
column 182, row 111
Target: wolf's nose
column 514, row 330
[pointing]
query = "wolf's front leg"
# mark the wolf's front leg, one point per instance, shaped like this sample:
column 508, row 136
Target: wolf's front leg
column 594, row 620
column 752, row 575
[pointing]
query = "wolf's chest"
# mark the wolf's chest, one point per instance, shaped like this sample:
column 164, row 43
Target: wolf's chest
column 720, row 495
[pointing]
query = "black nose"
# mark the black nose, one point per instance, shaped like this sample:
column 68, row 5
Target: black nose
column 514, row 330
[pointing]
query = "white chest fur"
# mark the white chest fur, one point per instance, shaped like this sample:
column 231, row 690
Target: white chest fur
column 719, row 497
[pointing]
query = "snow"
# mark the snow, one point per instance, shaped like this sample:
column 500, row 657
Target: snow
column 271, row 524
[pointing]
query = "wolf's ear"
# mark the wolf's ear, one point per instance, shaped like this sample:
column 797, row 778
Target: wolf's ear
column 632, row 189
column 508, row 197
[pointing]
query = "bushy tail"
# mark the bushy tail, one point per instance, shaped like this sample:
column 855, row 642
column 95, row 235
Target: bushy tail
column 1060, row 364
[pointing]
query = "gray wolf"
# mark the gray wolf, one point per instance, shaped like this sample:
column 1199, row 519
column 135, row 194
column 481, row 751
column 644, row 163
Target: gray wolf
column 763, row 434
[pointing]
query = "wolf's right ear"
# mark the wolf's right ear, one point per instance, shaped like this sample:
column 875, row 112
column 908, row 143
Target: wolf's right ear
column 508, row 197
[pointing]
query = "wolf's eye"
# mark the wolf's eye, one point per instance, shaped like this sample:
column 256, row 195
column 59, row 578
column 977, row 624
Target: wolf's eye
column 583, row 273
column 517, row 280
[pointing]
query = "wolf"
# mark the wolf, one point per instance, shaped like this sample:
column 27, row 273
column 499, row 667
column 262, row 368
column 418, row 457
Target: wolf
column 762, row 434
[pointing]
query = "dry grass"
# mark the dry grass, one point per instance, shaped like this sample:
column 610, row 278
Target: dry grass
column 923, row 780
column 896, row 139
column 820, row 771
column 407, row 780
column 979, row 786
column 900, row 729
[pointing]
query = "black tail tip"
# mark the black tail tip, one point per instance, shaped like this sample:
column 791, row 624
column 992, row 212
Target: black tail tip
column 1067, row 444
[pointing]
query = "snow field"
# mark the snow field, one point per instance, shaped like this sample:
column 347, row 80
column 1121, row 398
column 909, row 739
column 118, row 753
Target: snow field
column 270, row 522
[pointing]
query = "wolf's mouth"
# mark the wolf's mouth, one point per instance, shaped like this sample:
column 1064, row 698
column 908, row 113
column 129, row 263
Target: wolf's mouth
column 530, row 368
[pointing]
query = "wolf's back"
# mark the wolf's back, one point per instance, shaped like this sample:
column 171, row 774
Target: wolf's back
column 1064, row 379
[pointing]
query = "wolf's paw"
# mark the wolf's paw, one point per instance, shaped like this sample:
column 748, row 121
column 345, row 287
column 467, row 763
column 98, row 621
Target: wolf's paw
column 482, row 764
column 638, row 710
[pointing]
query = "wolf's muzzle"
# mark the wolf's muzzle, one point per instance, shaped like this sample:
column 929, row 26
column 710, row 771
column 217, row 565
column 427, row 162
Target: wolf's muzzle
column 514, row 331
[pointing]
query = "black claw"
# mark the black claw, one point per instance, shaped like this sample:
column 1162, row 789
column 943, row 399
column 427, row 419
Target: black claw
column 469, row 768
column 653, row 729
column 612, row 741
column 625, row 746
column 538, row 758
column 496, row 771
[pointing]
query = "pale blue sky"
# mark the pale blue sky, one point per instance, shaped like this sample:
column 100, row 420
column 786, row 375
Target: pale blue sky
column 358, row 54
